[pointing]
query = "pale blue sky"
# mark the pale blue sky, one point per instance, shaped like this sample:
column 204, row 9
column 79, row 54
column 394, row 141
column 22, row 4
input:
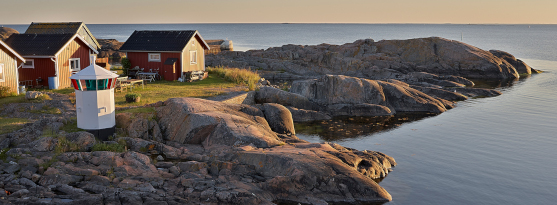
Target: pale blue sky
column 291, row 11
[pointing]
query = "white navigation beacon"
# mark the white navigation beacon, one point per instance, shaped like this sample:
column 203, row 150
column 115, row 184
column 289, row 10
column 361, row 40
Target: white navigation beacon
column 94, row 100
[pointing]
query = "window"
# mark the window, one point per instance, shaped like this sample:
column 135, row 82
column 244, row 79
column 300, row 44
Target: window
column 154, row 57
column 74, row 65
column 193, row 57
column 29, row 63
column 2, row 72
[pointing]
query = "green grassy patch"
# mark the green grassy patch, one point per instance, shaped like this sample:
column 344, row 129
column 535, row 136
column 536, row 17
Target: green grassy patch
column 113, row 147
column 162, row 90
column 13, row 99
column 8, row 125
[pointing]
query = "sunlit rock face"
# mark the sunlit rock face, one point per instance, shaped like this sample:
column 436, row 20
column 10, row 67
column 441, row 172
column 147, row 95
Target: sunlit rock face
column 386, row 59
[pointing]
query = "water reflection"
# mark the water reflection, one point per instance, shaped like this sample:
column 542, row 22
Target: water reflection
column 340, row 128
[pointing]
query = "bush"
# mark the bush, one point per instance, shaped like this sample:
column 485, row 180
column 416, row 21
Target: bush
column 126, row 65
column 236, row 75
column 133, row 95
column 5, row 92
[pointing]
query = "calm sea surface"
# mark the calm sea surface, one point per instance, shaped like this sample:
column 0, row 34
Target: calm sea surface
column 499, row 150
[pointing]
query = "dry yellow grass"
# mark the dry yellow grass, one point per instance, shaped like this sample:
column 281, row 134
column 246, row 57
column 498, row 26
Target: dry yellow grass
column 236, row 75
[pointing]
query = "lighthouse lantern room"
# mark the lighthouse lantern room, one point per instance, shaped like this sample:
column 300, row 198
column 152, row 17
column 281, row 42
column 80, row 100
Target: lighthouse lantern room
column 94, row 100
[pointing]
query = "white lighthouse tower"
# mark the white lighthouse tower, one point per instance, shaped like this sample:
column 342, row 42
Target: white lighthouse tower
column 94, row 100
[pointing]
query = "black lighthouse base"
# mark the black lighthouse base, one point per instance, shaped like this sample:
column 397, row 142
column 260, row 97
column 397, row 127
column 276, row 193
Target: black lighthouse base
column 103, row 134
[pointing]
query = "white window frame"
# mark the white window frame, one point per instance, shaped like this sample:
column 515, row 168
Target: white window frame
column 192, row 59
column 153, row 59
column 2, row 74
column 78, row 64
column 29, row 66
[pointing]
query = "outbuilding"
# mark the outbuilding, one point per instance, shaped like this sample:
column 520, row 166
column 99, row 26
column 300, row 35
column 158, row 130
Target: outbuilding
column 174, row 54
column 50, row 59
column 9, row 62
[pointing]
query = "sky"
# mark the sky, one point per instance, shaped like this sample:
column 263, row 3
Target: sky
column 280, row 11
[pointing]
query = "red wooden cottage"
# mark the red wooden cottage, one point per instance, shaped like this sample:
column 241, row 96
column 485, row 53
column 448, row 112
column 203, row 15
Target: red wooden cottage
column 175, row 54
column 9, row 62
column 51, row 57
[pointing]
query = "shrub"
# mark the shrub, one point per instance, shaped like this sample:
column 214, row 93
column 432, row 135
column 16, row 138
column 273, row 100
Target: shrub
column 236, row 75
column 133, row 95
column 5, row 92
column 126, row 65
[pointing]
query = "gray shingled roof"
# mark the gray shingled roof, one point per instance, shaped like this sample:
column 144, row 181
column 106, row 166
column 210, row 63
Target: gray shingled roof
column 38, row 44
column 53, row 28
column 63, row 28
column 158, row 40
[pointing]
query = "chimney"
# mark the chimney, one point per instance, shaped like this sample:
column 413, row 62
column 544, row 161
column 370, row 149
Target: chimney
column 93, row 58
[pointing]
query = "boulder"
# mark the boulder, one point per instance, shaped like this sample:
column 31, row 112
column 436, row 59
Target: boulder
column 371, row 96
column 295, row 172
column 29, row 95
column 84, row 140
column 274, row 95
column 43, row 144
column 279, row 118
column 199, row 121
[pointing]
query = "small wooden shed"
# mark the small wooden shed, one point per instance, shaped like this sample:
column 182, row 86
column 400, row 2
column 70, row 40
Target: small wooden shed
column 51, row 58
column 175, row 54
column 9, row 62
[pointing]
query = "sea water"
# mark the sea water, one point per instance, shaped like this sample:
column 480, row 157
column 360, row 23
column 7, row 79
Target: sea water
column 498, row 150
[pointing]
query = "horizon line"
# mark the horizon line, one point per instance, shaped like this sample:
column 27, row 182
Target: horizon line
column 1, row 25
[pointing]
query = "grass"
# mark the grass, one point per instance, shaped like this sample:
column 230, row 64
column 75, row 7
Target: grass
column 8, row 125
column 116, row 147
column 13, row 99
column 236, row 75
column 64, row 145
column 47, row 110
column 162, row 90
column 120, row 146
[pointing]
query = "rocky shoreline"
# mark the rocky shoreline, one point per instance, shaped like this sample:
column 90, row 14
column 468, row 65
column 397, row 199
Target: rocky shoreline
column 244, row 150
column 194, row 151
